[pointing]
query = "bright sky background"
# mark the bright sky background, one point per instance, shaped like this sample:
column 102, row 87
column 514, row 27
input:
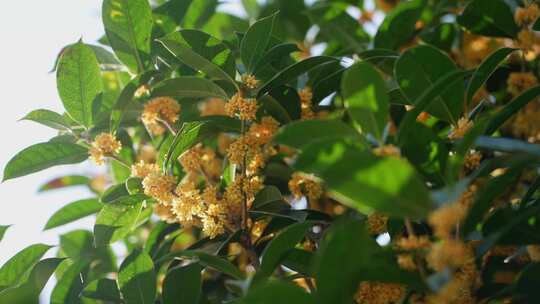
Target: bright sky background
column 32, row 33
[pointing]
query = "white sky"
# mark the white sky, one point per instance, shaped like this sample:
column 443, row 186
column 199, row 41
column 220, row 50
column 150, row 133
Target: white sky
column 32, row 34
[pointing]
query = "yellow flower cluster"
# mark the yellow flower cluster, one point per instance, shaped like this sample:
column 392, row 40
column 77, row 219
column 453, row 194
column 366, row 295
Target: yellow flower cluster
column 160, row 187
column 472, row 161
column 376, row 223
column 527, row 40
column 387, row 150
column 201, row 160
column 525, row 16
column 379, row 293
column 250, row 81
column 448, row 253
column 526, row 124
column 444, row 219
column 463, row 126
column 475, row 49
column 413, row 242
column 305, row 185
column 250, row 147
column 519, row 82
column 160, row 110
column 105, row 144
column 406, row 261
column 142, row 169
column 534, row 252
column 213, row 106
column 306, row 102
column 244, row 108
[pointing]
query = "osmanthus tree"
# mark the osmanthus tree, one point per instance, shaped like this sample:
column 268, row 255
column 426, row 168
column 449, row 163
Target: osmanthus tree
column 394, row 166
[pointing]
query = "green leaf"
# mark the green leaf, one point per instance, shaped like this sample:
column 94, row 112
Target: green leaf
column 273, row 292
column 29, row 291
column 102, row 289
column 336, row 24
column 137, row 278
column 3, row 229
column 115, row 221
column 189, row 87
column 198, row 13
column 275, row 53
column 348, row 255
column 48, row 118
column 183, row 284
column 382, row 58
column 485, row 70
column 202, row 52
column 494, row 188
column 73, row 212
column 440, row 87
column 365, row 182
column 399, row 25
column 15, row 268
column 265, row 196
column 526, row 285
column 128, row 25
column 492, row 18
column 79, row 83
column 298, row 134
column 366, row 98
column 441, row 36
column 65, row 181
column 114, row 193
column 278, row 248
column 255, row 42
column 294, row 71
column 418, row 69
column 70, row 284
column 208, row 260
column 512, row 108
column 43, row 156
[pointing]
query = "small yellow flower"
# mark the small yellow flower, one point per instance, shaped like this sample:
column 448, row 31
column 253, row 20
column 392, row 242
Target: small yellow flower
column 263, row 132
column 301, row 184
column 444, row 219
column 306, row 102
column 534, row 252
column 213, row 106
column 187, row 205
column 520, row 82
column 464, row 125
column 250, row 81
column 104, row 145
column 472, row 161
column 413, row 242
column 376, row 223
column 449, row 253
column 406, row 261
column 165, row 213
column 524, row 16
column 160, row 109
column 143, row 169
column 379, row 293
column 160, row 187
column 387, row 150
column 245, row 108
